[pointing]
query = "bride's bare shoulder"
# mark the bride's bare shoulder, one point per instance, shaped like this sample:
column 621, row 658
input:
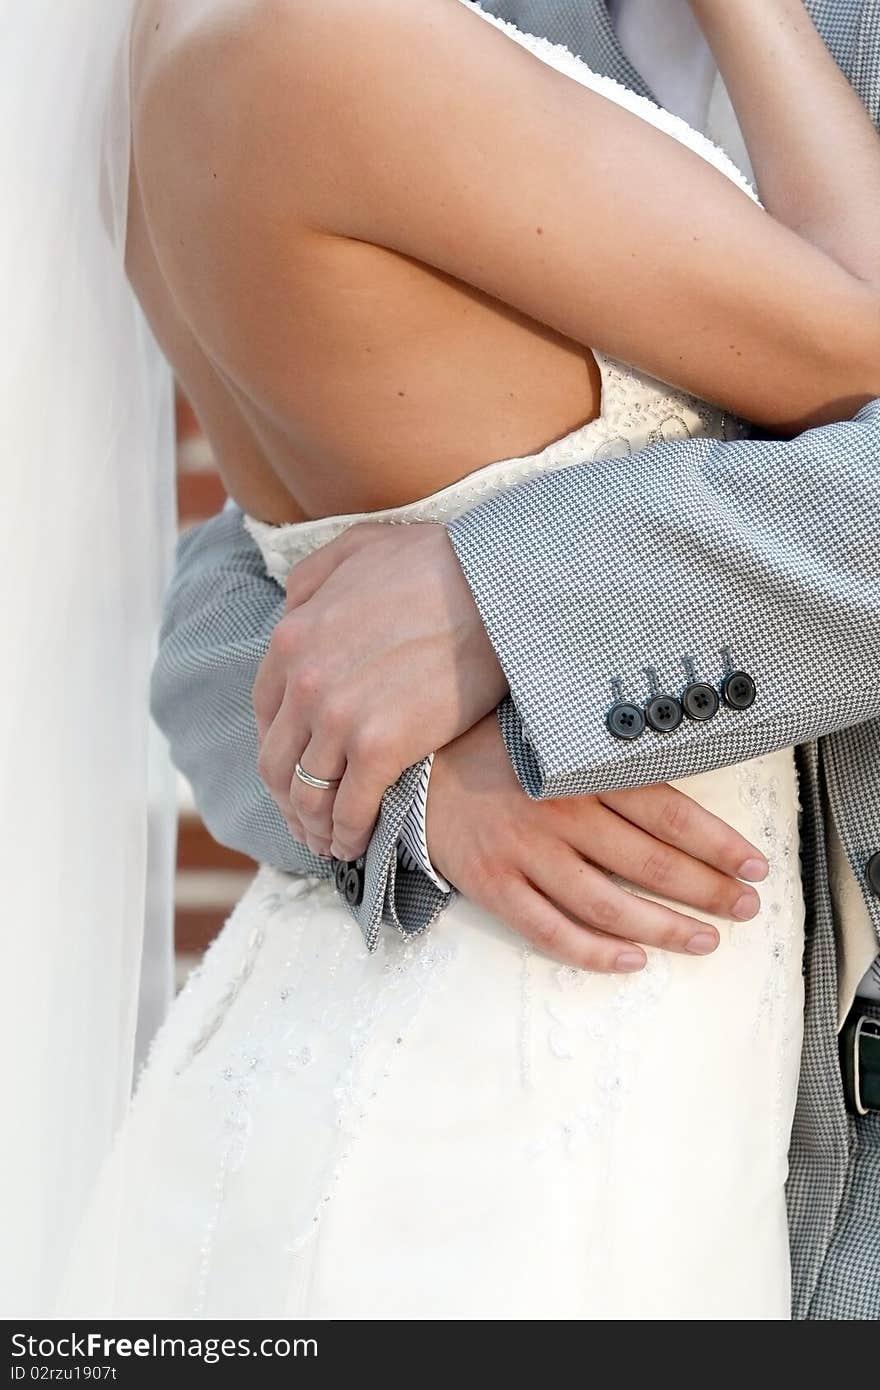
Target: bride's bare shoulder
column 303, row 38
column 272, row 85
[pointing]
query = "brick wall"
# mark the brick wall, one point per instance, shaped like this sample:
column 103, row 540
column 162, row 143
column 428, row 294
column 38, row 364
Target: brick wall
column 210, row 879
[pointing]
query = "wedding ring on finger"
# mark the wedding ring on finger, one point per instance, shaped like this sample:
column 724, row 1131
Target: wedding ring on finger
column 322, row 784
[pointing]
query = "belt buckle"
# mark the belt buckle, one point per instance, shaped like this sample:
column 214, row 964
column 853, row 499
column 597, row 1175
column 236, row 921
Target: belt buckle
column 855, row 1029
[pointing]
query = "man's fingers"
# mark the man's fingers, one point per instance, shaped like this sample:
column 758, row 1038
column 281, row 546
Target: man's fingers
column 624, row 849
column 268, row 692
column 675, row 818
column 357, row 806
column 284, row 671
column 533, row 916
column 281, row 749
column 308, row 575
column 313, row 806
column 297, row 831
column 301, row 835
column 591, row 897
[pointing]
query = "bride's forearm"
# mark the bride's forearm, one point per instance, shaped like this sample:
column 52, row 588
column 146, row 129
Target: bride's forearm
column 820, row 176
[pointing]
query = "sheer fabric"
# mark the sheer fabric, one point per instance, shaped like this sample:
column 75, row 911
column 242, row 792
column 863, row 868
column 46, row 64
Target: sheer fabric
column 87, row 524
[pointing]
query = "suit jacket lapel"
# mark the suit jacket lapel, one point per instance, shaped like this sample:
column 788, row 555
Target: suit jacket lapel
column 602, row 48
column 838, row 21
column 584, row 26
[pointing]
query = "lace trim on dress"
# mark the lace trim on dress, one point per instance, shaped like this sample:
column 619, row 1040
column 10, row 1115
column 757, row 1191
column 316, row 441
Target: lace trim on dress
column 636, row 410
column 564, row 61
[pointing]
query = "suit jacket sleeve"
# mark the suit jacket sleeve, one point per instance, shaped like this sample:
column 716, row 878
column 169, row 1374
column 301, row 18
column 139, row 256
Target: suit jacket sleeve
column 220, row 613
column 768, row 549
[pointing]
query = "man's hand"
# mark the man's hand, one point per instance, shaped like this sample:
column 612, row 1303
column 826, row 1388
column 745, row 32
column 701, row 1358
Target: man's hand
column 381, row 659
column 543, row 867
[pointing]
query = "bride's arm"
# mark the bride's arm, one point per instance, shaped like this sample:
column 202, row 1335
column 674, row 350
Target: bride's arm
column 422, row 128
column 818, row 175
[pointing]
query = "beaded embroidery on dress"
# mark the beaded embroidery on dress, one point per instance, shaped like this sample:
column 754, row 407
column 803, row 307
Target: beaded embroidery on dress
column 456, row 1126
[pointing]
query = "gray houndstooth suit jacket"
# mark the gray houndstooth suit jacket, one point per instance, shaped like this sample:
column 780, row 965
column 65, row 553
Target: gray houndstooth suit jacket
column 770, row 549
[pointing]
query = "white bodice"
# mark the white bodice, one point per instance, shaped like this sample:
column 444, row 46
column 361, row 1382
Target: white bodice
column 636, row 410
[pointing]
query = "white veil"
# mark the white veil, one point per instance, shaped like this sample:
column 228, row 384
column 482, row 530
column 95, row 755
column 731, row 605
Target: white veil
column 87, row 522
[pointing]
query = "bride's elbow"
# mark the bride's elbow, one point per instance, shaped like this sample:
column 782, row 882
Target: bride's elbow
column 870, row 342
column 858, row 353
column 840, row 375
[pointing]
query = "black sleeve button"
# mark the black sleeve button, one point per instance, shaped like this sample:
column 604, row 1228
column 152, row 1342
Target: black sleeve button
column 340, row 869
column 700, row 700
column 663, row 713
column 625, row 720
column 738, row 690
column 873, row 872
column 354, row 885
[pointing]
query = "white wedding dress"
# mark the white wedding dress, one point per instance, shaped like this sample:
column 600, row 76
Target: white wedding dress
column 456, row 1126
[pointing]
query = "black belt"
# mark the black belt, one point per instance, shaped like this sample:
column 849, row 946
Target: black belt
column 860, row 1061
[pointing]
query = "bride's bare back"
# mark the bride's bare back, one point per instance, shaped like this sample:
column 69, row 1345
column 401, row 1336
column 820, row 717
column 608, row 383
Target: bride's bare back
column 374, row 239
column 399, row 378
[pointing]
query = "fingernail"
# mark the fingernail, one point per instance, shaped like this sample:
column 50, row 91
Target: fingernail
column 754, row 870
column 336, row 852
column 630, row 960
column 702, row 943
column 746, row 907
